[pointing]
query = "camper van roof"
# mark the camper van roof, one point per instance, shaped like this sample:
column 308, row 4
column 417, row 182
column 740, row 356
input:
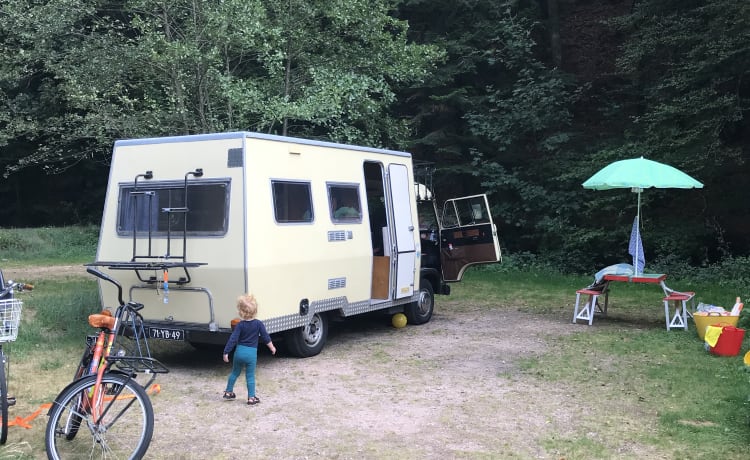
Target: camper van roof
column 247, row 134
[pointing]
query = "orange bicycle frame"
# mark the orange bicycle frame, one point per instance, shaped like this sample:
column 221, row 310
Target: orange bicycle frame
column 102, row 349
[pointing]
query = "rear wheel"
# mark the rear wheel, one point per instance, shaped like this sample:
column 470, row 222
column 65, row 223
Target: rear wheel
column 122, row 428
column 420, row 312
column 308, row 340
column 3, row 398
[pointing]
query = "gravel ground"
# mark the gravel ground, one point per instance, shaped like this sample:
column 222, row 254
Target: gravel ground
column 452, row 388
column 447, row 389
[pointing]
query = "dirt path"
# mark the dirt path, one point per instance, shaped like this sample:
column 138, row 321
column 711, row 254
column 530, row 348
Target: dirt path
column 447, row 389
column 453, row 388
column 33, row 274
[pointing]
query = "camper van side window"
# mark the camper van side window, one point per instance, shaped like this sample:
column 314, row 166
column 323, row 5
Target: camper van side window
column 344, row 203
column 292, row 202
column 146, row 209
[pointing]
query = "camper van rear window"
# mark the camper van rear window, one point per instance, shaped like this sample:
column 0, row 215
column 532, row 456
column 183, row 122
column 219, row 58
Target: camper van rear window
column 292, row 202
column 162, row 207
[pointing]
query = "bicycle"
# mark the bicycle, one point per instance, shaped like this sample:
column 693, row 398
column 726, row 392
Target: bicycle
column 104, row 400
column 10, row 318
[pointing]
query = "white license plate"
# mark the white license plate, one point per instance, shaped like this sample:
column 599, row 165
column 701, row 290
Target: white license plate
column 166, row 333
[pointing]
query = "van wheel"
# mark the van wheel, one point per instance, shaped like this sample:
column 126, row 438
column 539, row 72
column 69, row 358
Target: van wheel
column 308, row 340
column 420, row 312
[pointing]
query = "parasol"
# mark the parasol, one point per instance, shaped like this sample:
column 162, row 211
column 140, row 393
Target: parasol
column 638, row 174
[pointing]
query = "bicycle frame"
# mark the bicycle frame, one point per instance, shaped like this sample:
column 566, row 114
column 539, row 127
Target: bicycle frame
column 104, row 401
column 102, row 359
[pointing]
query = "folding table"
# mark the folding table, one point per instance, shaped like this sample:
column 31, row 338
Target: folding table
column 680, row 299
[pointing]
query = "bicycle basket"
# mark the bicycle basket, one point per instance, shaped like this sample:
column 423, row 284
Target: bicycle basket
column 10, row 317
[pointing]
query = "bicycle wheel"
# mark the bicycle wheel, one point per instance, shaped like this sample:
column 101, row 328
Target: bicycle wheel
column 3, row 398
column 124, row 429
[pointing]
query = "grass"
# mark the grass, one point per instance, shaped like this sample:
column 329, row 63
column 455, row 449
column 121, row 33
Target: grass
column 701, row 401
column 47, row 245
column 684, row 402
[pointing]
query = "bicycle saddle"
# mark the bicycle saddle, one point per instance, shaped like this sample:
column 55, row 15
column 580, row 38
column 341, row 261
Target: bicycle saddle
column 102, row 321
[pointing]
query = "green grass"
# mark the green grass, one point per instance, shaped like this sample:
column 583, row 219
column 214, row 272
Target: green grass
column 697, row 405
column 701, row 401
column 57, row 311
column 47, row 245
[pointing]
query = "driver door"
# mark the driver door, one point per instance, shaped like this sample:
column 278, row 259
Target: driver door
column 468, row 236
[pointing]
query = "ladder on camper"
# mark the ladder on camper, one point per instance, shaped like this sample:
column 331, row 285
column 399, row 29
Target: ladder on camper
column 144, row 261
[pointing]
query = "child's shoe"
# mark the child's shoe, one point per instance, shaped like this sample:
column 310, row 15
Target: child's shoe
column 229, row 395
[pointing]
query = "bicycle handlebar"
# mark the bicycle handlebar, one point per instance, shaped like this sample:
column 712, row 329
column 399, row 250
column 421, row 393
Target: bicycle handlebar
column 11, row 286
column 106, row 277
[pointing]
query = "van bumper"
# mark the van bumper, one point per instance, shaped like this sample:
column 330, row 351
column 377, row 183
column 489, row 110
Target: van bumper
column 175, row 331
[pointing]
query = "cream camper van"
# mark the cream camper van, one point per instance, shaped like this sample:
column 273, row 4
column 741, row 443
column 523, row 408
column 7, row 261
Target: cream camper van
column 316, row 230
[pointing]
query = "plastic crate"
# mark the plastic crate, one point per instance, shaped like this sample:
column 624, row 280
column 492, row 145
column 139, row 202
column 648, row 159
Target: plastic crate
column 702, row 322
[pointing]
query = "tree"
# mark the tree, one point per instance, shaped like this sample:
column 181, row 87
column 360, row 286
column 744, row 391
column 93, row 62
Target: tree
column 85, row 73
column 494, row 113
column 76, row 75
column 688, row 64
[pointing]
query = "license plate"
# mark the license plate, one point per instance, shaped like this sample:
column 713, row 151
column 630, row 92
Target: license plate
column 166, row 333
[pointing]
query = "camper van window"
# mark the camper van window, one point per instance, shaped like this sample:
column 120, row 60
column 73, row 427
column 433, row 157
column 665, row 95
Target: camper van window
column 292, row 202
column 470, row 211
column 465, row 211
column 344, row 203
column 146, row 209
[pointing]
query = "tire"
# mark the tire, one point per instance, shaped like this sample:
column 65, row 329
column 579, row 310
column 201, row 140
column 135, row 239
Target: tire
column 420, row 312
column 3, row 398
column 308, row 340
column 125, row 430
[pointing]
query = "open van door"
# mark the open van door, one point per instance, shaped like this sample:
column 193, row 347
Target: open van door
column 403, row 220
column 467, row 236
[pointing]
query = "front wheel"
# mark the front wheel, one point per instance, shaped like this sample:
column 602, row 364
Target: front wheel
column 120, row 421
column 420, row 312
column 308, row 340
column 3, row 398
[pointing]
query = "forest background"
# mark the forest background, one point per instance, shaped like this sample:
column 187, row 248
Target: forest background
column 522, row 100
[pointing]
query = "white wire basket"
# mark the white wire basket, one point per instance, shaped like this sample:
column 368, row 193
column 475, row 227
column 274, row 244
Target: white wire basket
column 10, row 317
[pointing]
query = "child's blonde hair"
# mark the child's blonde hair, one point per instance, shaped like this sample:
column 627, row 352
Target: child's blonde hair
column 247, row 306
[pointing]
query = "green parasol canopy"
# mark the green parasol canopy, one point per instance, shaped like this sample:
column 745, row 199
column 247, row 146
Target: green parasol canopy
column 640, row 173
column 637, row 174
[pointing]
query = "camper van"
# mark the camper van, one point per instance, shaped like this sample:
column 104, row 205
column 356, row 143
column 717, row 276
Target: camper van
column 316, row 230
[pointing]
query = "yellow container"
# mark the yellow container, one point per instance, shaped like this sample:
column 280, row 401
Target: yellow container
column 702, row 322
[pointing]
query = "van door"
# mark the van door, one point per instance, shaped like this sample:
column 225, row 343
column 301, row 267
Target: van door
column 403, row 225
column 467, row 236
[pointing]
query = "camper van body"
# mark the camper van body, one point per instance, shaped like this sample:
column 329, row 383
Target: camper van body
column 313, row 229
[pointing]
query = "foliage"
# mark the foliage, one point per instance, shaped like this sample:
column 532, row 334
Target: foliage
column 687, row 66
column 77, row 75
column 47, row 245
column 478, row 86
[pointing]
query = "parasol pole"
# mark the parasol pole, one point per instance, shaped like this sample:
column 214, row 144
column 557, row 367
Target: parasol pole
column 638, row 228
column 637, row 246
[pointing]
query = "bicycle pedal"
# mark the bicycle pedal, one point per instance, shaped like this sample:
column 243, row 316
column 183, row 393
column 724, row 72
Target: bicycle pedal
column 11, row 400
